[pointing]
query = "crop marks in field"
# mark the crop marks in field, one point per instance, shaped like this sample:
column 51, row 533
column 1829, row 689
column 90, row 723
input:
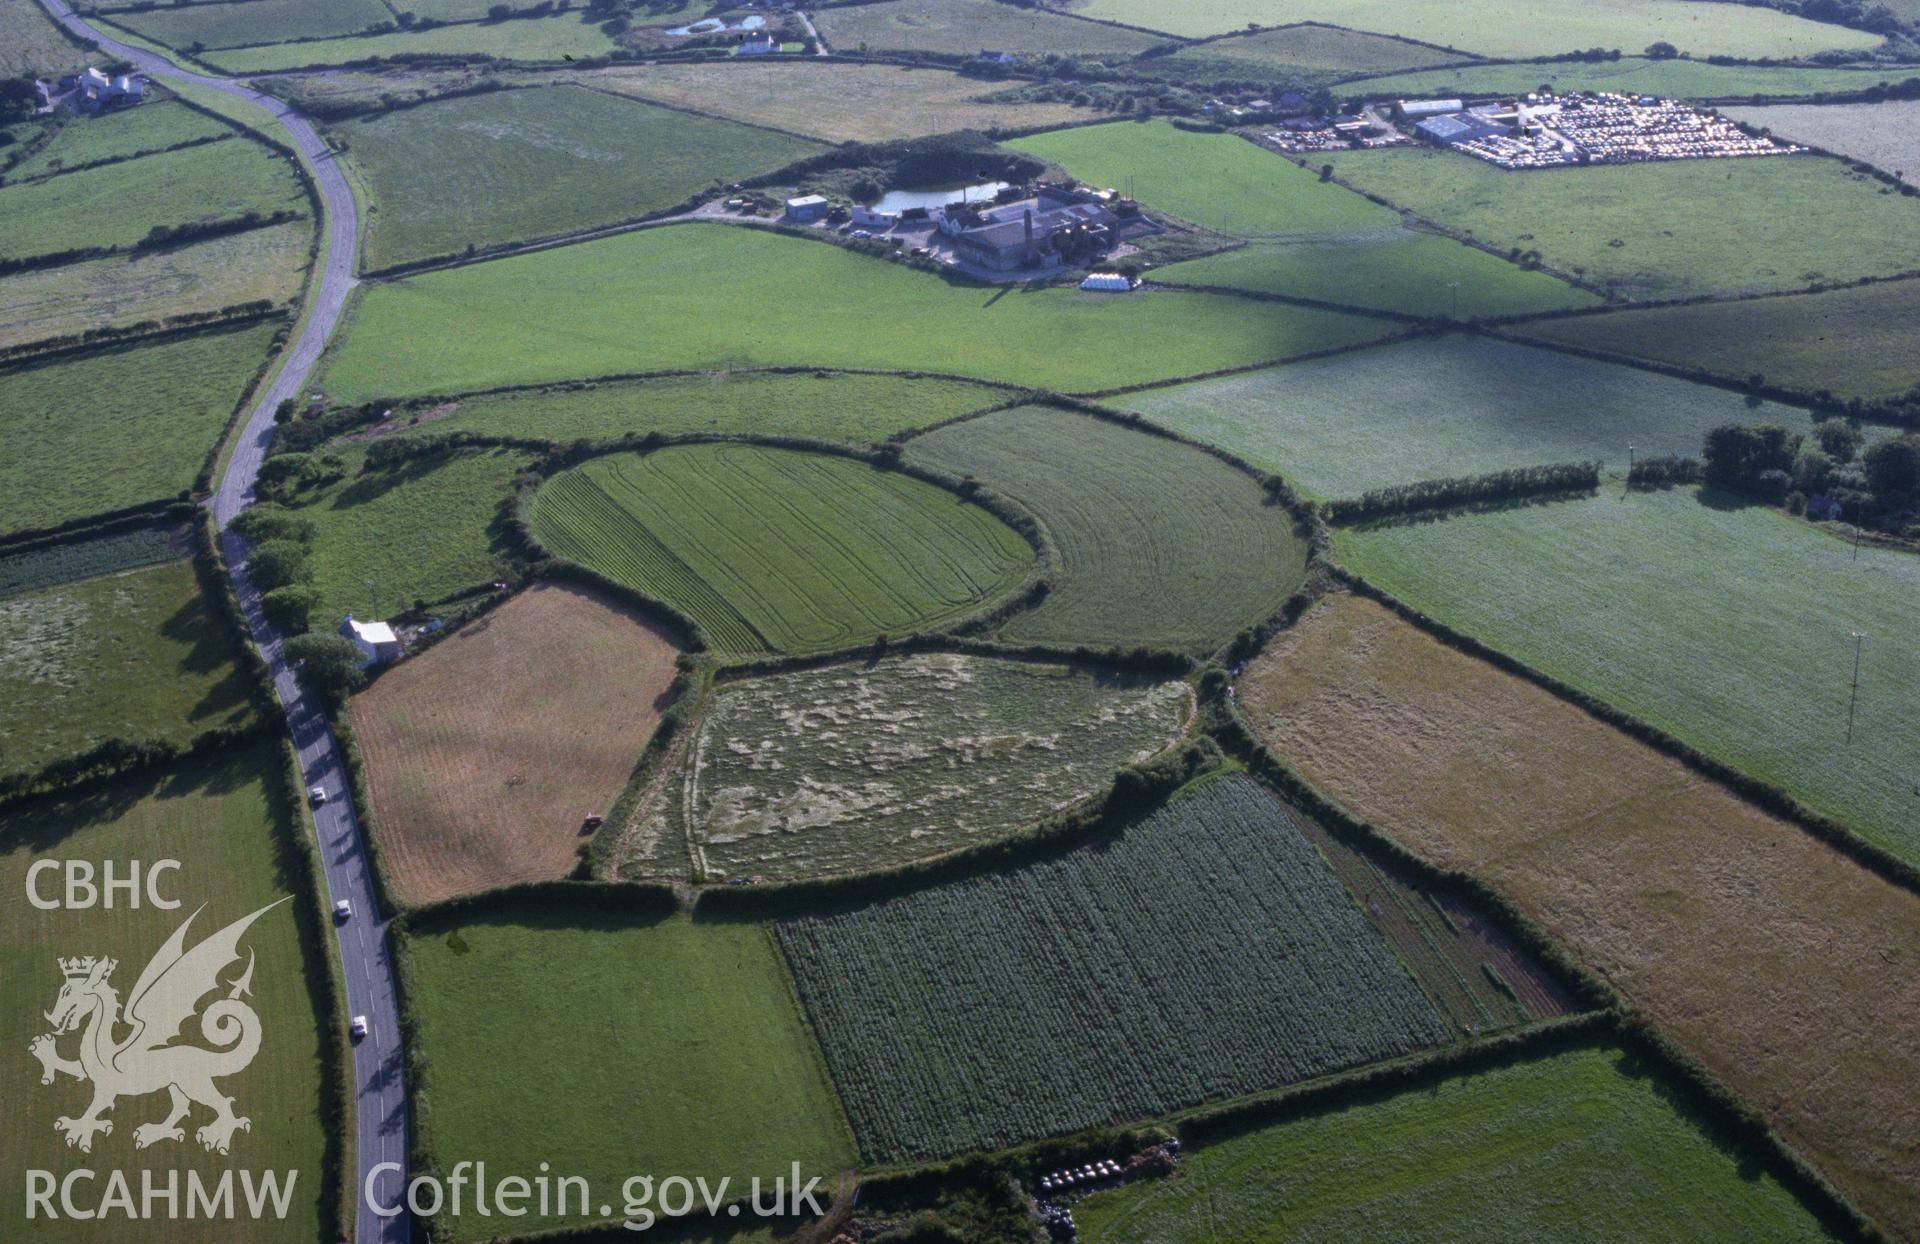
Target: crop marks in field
column 485, row 752
column 1159, row 543
column 50, row 565
column 778, row 548
column 1206, row 951
column 848, row 768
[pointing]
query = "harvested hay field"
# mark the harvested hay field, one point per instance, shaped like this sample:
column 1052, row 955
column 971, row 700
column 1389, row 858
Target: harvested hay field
column 1783, row 966
column 481, row 763
column 846, row 768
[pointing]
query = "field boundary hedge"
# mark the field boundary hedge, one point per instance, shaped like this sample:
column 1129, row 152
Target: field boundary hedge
column 1764, row 795
column 139, row 333
column 95, row 526
column 1476, row 492
column 122, row 158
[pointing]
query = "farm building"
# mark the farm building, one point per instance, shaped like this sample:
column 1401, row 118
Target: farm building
column 1416, row 109
column 806, row 209
column 1451, row 131
column 376, row 641
column 94, row 91
column 1028, row 240
column 866, row 218
column 759, row 43
column 989, row 57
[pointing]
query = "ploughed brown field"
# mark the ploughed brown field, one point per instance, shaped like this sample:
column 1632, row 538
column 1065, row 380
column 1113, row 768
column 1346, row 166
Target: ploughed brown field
column 1786, row 968
column 486, row 752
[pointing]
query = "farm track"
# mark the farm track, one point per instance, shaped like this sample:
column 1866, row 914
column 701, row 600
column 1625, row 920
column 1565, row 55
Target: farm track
column 380, row 1100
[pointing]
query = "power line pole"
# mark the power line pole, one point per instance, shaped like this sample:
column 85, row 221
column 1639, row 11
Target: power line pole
column 1454, row 286
column 1859, row 638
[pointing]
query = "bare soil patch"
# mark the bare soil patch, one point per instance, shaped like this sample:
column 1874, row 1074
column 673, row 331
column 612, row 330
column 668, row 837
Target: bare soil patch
column 1786, row 968
column 486, row 752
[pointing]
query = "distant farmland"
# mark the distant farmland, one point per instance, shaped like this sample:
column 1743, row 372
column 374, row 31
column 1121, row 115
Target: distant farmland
column 1854, row 342
column 534, row 39
column 485, row 753
column 258, row 21
column 848, row 768
column 1493, row 1155
column 1685, row 79
column 775, row 548
column 1206, row 952
column 136, row 655
column 1723, row 623
column 1448, row 407
column 1311, row 239
column 1886, row 135
column 1136, row 569
column 152, row 413
column 520, row 165
column 1310, row 54
column 1766, row 954
column 1544, row 29
column 570, row 313
column 964, row 27
column 1667, row 229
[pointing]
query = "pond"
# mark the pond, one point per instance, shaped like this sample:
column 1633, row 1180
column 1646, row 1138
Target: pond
column 714, row 25
column 901, row 200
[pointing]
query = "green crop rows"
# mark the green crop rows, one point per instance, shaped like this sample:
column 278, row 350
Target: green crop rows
column 1137, row 567
column 1207, row 952
column 53, row 564
column 777, row 548
column 854, row 767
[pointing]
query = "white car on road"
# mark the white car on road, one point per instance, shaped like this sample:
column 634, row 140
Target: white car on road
column 317, row 795
column 343, row 910
column 358, row 1027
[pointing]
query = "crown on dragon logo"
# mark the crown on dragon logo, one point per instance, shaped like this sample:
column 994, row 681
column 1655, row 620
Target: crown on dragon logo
column 80, row 969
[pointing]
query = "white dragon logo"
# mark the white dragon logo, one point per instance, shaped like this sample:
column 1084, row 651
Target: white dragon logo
column 164, row 998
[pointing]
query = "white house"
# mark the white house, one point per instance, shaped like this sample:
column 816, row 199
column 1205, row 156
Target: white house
column 376, row 641
column 759, row 43
column 806, row 208
column 866, row 218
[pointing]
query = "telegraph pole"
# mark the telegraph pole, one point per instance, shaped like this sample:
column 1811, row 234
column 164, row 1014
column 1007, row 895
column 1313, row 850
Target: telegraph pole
column 1454, row 288
column 1859, row 638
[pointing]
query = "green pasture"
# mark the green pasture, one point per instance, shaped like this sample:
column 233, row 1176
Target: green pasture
column 223, row 821
column 513, row 166
column 1208, row 951
column 1159, row 543
column 1668, row 229
column 1855, row 342
column 1450, row 406
column 781, row 549
column 118, row 204
column 963, row 27
column 1547, row 28
column 631, row 1048
column 1725, row 624
column 836, row 406
column 192, row 27
column 1311, row 238
column 1683, row 79
column 1886, row 135
column 419, row 530
column 116, row 135
column 31, row 44
column 119, row 425
column 137, row 655
column 532, row 39
column 1294, row 55
column 1592, row 1144
column 724, row 296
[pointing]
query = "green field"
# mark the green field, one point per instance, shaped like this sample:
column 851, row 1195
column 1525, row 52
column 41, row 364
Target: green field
column 1206, row 952
column 148, row 417
column 1662, row 230
column 126, row 289
column 1886, row 136
column 1853, row 342
column 93, row 207
column 1589, row 1145
column 1727, row 625
column 633, row 1049
column 196, row 26
column 1685, row 79
column 1452, row 406
column 420, row 530
column 722, row 296
column 534, row 39
column 1295, row 55
column 927, row 754
column 222, row 820
column 513, row 166
column 52, row 564
column 116, row 135
column 137, row 655
column 1159, row 543
column 963, row 27
column 1544, row 29
column 775, row 548
column 31, row 44
column 834, row 406
column 1311, row 239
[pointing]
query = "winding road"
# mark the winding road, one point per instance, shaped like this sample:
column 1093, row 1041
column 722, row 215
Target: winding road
column 379, row 1062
